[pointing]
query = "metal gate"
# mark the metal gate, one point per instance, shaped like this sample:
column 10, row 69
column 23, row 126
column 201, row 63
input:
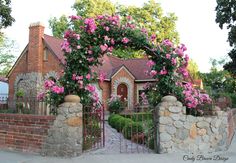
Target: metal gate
column 136, row 131
column 93, row 127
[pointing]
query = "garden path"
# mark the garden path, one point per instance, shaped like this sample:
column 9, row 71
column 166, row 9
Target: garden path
column 115, row 143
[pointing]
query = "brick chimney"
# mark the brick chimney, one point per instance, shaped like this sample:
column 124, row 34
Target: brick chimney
column 35, row 47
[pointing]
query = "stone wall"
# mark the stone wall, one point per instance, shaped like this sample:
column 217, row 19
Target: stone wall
column 177, row 131
column 65, row 137
column 24, row 133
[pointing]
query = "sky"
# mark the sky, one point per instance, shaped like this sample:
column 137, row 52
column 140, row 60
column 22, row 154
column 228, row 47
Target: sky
column 196, row 24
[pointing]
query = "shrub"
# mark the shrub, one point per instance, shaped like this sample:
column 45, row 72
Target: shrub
column 137, row 117
column 115, row 105
column 132, row 128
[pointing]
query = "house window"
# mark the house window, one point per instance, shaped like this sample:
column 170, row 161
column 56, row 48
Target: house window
column 45, row 55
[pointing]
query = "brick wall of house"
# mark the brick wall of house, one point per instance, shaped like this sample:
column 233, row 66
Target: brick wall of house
column 20, row 67
column 124, row 74
column 106, row 92
column 23, row 132
column 51, row 64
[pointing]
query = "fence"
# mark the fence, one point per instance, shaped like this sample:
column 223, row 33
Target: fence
column 93, row 127
column 24, row 105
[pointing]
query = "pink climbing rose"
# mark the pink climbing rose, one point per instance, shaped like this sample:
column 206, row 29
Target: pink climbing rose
column 125, row 40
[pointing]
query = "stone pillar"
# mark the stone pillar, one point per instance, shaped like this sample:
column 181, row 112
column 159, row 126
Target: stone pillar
column 65, row 137
column 169, row 115
column 178, row 132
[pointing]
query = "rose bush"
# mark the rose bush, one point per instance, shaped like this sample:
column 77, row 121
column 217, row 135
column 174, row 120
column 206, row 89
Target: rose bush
column 83, row 48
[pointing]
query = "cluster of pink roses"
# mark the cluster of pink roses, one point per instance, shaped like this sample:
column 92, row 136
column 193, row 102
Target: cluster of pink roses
column 193, row 97
column 50, row 86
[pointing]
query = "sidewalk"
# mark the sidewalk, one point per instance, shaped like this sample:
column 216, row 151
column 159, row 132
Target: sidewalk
column 13, row 157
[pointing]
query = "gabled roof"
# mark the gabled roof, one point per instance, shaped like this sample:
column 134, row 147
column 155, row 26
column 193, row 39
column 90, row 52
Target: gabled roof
column 55, row 46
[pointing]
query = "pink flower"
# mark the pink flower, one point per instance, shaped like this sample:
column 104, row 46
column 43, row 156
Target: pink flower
column 41, row 96
column 106, row 28
column 144, row 30
column 100, row 17
column 48, row 84
column 163, row 71
column 73, row 76
column 58, row 90
column 75, row 17
column 186, row 58
column 81, row 84
column 90, row 25
column 153, row 72
column 183, row 47
column 102, row 76
column 167, row 43
column 78, row 47
column 90, row 52
column 103, row 48
column 150, row 63
column 125, row 40
column 173, row 61
column 168, row 56
column 66, row 46
column 79, row 77
column 90, row 88
column 88, row 76
column 110, row 49
column 129, row 17
column 180, row 52
column 153, row 37
column 112, row 41
column 90, row 59
column 106, row 38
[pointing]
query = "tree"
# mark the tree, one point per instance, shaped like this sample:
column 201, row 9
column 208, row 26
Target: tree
column 226, row 15
column 193, row 69
column 150, row 16
column 6, row 57
column 5, row 14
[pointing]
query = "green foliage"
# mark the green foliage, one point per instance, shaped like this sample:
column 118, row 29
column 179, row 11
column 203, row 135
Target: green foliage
column 5, row 14
column 231, row 65
column 92, row 8
column 150, row 16
column 20, row 93
column 132, row 128
column 139, row 117
column 6, row 56
column 193, row 69
column 226, row 15
column 115, row 105
column 59, row 26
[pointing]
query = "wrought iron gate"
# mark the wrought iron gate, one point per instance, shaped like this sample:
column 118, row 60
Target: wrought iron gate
column 93, row 127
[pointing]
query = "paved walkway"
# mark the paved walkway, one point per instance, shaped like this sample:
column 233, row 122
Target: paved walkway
column 115, row 143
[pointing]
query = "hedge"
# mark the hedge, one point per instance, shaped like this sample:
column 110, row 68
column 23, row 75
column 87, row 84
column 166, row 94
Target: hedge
column 137, row 117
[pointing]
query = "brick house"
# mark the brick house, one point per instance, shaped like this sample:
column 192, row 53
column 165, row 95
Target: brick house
column 42, row 58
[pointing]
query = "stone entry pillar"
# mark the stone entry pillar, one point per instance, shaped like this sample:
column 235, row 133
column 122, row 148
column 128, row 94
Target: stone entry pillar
column 178, row 132
column 65, row 137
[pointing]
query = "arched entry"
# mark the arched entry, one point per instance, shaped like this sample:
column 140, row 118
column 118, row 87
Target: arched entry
column 122, row 90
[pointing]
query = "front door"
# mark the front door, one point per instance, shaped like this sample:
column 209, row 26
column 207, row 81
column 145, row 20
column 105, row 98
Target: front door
column 122, row 90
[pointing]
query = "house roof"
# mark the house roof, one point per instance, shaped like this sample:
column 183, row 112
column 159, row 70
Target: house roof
column 111, row 64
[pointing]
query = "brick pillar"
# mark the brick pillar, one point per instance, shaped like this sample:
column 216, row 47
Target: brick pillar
column 35, row 47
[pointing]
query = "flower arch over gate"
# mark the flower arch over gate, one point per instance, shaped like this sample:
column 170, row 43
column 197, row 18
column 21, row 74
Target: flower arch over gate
column 85, row 46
